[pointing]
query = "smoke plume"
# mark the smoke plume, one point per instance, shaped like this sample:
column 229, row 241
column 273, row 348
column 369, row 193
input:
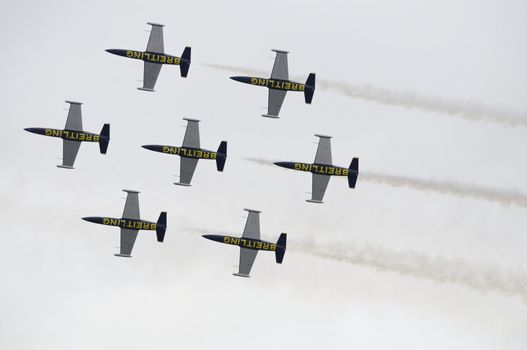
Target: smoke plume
column 468, row 110
column 484, row 277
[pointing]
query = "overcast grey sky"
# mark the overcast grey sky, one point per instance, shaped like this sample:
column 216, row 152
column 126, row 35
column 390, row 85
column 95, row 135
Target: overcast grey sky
column 377, row 267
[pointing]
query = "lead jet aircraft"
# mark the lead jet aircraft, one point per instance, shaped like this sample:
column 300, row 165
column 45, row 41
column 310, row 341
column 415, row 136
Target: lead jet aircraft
column 279, row 84
column 154, row 57
column 191, row 152
column 322, row 169
column 250, row 243
column 130, row 224
column 73, row 135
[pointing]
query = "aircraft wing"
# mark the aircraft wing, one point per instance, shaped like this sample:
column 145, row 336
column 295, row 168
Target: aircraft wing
column 280, row 69
column 247, row 257
column 69, row 153
column 276, row 98
column 131, row 207
column 320, row 183
column 324, row 150
column 191, row 138
column 127, row 242
column 150, row 74
column 186, row 170
column 252, row 225
column 155, row 42
column 74, row 121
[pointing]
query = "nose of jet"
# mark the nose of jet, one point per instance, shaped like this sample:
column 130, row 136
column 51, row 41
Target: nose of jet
column 114, row 51
column 242, row 79
column 282, row 164
column 216, row 238
column 156, row 148
column 92, row 219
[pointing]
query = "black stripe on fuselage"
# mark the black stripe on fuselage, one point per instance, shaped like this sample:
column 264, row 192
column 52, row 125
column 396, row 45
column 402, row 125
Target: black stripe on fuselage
column 275, row 84
column 65, row 134
column 187, row 152
column 248, row 243
column 132, row 224
column 147, row 56
column 315, row 168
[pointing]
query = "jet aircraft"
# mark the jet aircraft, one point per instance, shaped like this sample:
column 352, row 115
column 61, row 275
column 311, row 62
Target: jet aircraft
column 154, row 57
column 279, row 84
column 130, row 224
column 250, row 243
column 73, row 135
column 191, row 152
column 322, row 169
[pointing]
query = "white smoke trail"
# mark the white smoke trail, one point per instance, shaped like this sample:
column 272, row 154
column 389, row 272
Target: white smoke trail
column 453, row 188
column 464, row 109
column 483, row 277
column 501, row 196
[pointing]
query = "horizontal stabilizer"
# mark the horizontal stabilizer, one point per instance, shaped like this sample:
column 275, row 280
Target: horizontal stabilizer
column 270, row 116
column 130, row 191
column 155, row 24
column 241, row 275
column 161, row 226
column 221, row 156
column 145, row 89
column 105, row 138
column 65, row 167
column 281, row 245
column 123, row 255
column 184, row 63
column 279, row 51
column 353, row 172
column 309, row 88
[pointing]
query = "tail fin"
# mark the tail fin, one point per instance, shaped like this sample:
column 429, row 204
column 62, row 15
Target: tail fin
column 280, row 248
column 309, row 88
column 105, row 138
column 353, row 172
column 222, row 155
column 184, row 64
column 161, row 226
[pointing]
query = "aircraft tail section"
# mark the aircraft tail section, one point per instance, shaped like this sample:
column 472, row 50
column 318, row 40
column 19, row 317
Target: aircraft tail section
column 161, row 226
column 353, row 172
column 105, row 138
column 222, row 156
column 280, row 248
column 184, row 64
column 309, row 88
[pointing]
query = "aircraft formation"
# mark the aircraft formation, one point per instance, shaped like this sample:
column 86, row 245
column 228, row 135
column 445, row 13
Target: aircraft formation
column 154, row 57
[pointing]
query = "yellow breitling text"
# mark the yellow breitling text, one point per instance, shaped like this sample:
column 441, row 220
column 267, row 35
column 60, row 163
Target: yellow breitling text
column 152, row 57
column 188, row 152
column 276, row 84
column 322, row 169
column 135, row 225
column 73, row 135
column 250, row 244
